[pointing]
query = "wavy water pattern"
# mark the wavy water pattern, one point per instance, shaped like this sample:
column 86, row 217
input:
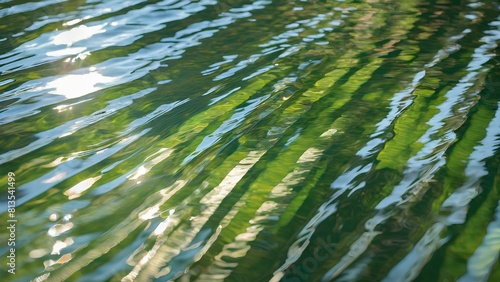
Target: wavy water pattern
column 174, row 140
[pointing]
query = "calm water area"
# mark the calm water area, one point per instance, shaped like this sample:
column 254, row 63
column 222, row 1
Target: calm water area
column 235, row 140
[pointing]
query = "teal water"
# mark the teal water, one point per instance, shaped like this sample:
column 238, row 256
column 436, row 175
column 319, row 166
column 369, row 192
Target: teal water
column 250, row 140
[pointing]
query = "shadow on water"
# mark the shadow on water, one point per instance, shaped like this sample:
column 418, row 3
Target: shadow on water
column 250, row 140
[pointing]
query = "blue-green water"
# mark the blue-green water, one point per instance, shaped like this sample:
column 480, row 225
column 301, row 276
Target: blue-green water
column 250, row 140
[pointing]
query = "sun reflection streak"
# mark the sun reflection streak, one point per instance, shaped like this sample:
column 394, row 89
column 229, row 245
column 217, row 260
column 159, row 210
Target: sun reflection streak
column 76, row 34
column 56, row 177
column 77, row 190
column 77, row 85
column 66, row 52
column 59, row 245
column 58, row 229
column 145, row 168
column 160, row 229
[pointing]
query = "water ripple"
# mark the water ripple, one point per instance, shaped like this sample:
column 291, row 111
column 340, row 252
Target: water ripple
column 250, row 140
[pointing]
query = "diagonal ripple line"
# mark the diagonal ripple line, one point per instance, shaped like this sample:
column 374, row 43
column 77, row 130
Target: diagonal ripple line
column 409, row 182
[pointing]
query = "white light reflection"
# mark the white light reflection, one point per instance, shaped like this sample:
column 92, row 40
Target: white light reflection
column 38, row 253
column 42, row 277
column 58, row 229
column 145, row 168
column 63, row 259
column 77, row 190
column 163, row 226
column 66, row 52
column 150, row 213
column 77, row 85
column 56, row 177
column 72, row 22
column 76, row 34
column 59, row 245
column 80, row 56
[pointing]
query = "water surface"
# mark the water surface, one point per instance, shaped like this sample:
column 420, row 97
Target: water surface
column 251, row 140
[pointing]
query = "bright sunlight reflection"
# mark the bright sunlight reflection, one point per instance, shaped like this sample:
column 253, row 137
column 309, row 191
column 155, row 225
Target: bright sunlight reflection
column 77, row 85
column 77, row 34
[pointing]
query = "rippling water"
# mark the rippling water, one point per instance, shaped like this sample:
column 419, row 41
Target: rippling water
column 251, row 140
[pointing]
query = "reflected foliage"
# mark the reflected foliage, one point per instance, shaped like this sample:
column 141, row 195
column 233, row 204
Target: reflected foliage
column 174, row 140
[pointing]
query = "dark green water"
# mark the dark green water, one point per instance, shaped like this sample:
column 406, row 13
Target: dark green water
column 250, row 140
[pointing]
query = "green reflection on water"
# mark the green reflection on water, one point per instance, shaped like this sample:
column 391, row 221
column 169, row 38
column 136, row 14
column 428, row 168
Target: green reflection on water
column 251, row 140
